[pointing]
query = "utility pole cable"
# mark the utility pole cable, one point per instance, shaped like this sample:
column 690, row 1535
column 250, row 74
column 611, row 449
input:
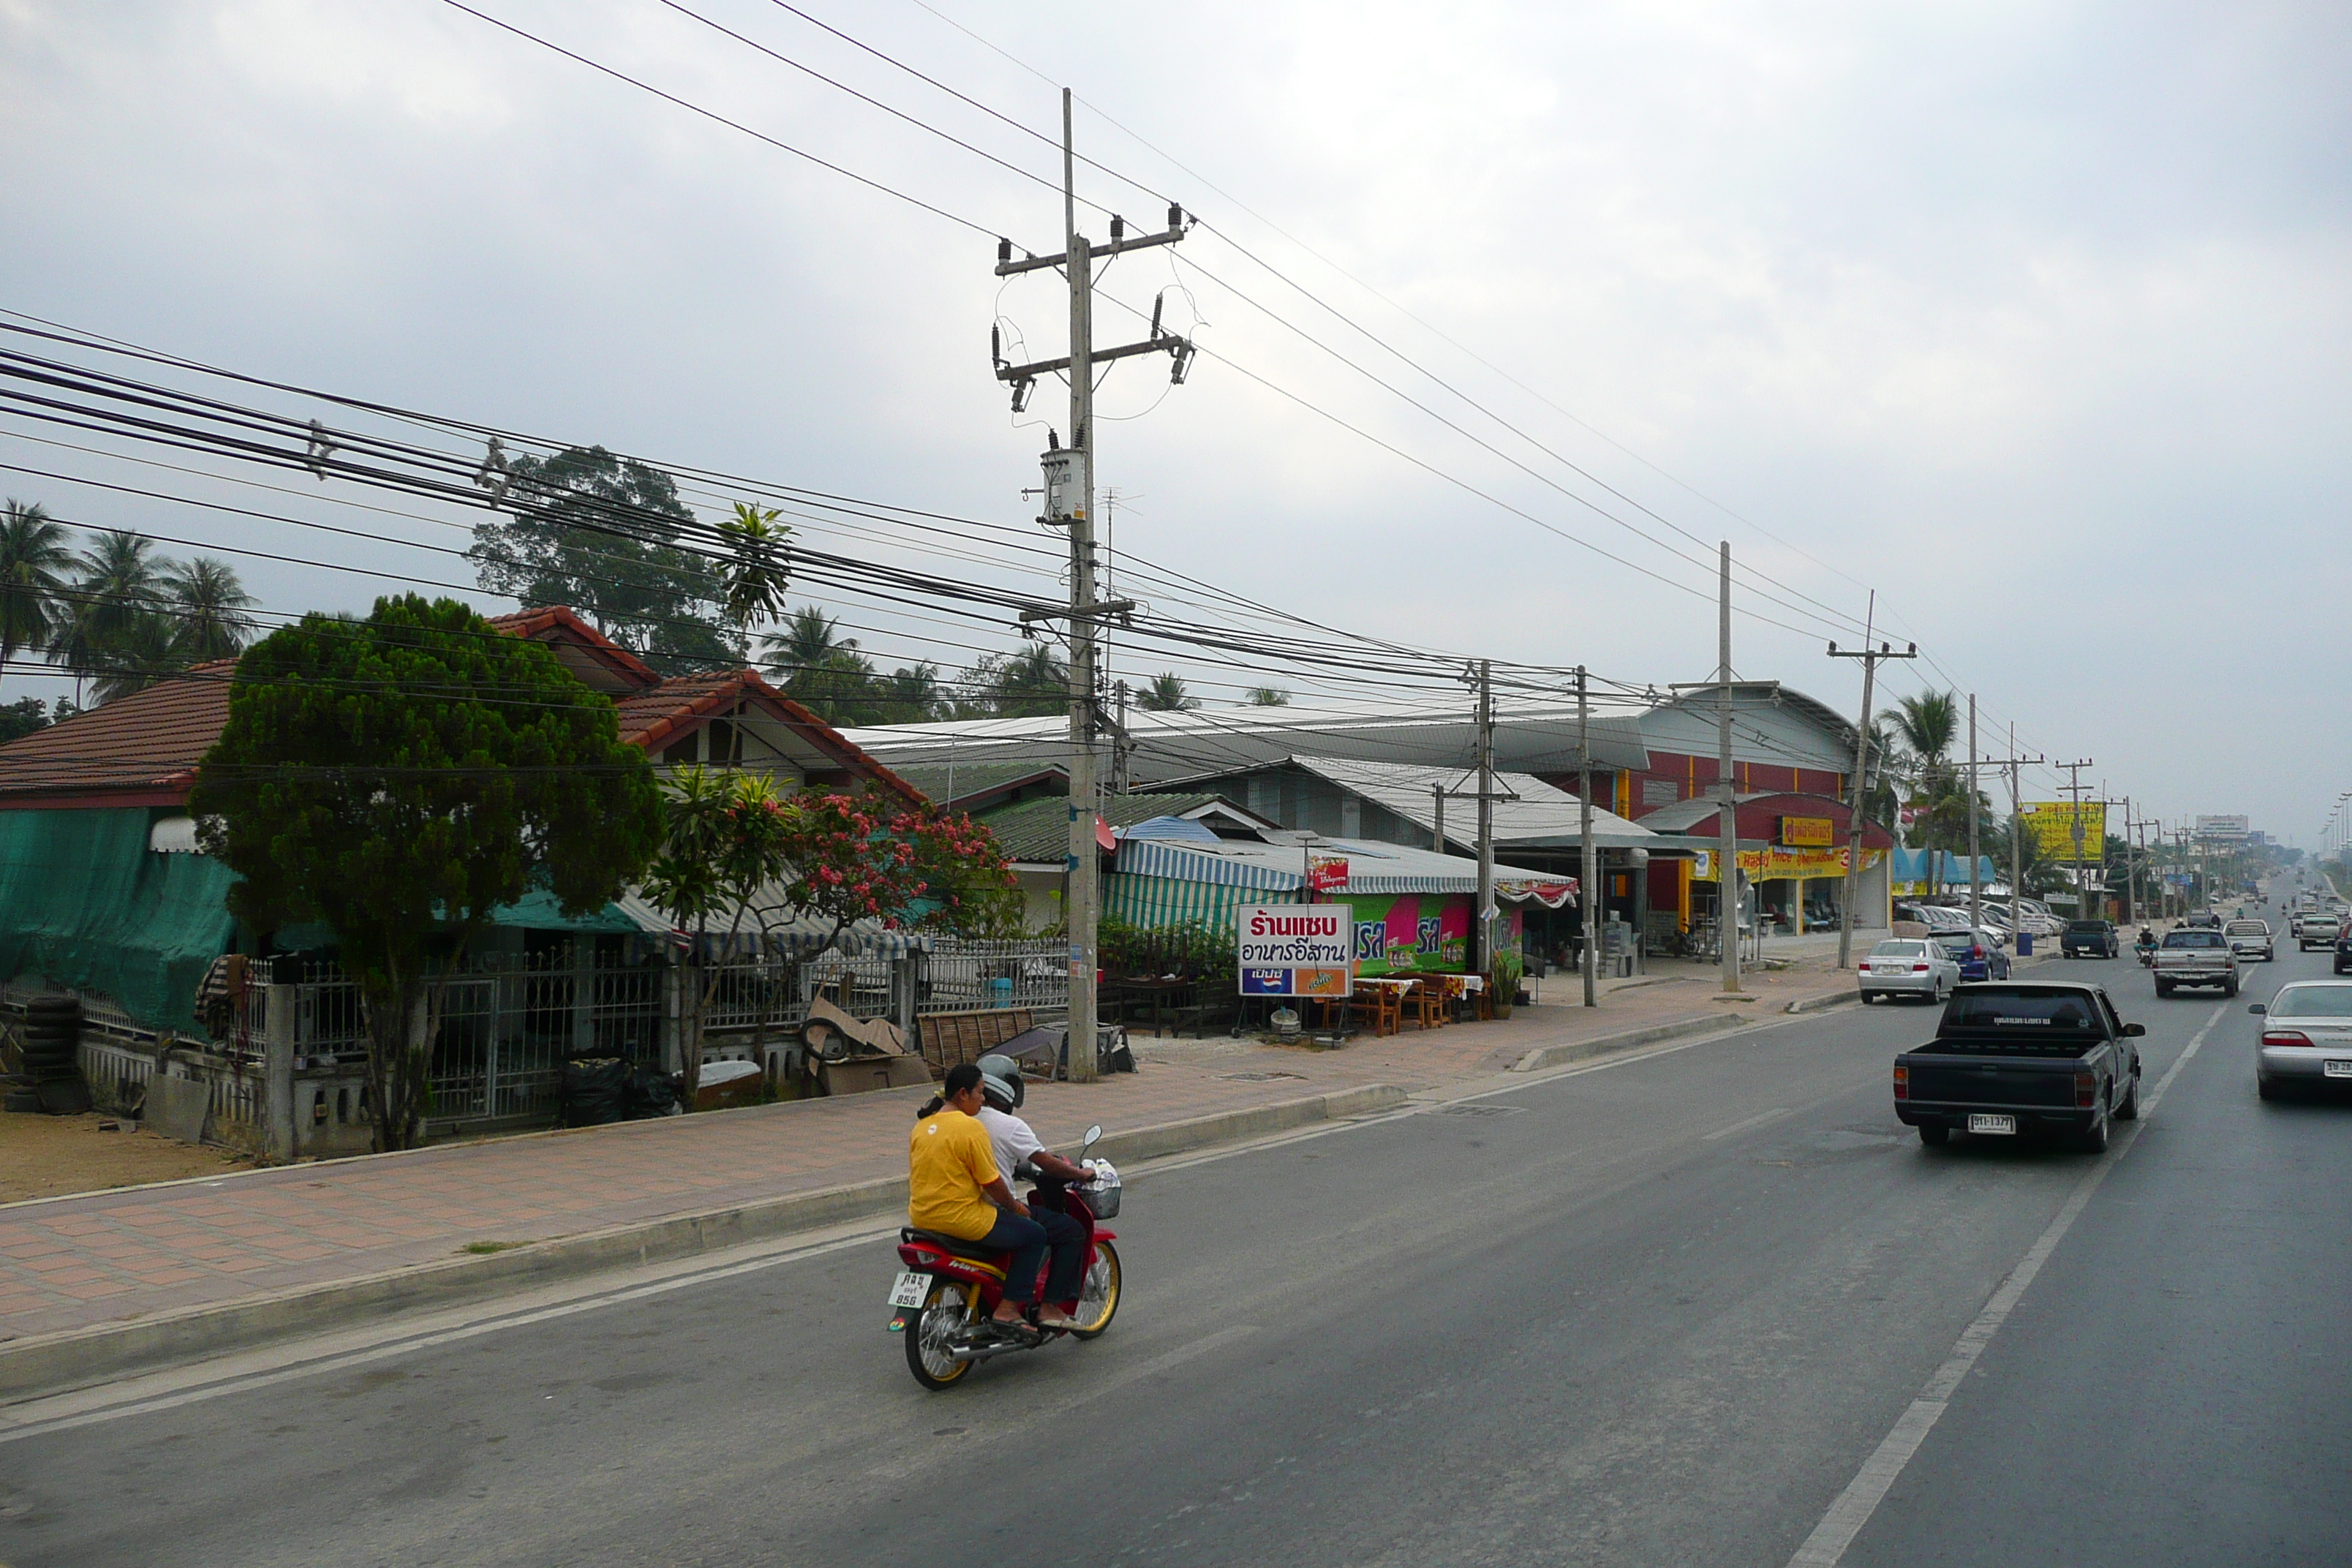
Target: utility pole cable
column 1870, row 658
column 1069, row 503
column 1588, row 868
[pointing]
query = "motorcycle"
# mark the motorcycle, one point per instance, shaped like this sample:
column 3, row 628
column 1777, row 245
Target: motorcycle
column 947, row 1292
column 2147, row 950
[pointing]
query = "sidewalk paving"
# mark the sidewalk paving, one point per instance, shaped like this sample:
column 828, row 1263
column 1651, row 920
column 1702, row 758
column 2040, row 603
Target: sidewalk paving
column 85, row 1261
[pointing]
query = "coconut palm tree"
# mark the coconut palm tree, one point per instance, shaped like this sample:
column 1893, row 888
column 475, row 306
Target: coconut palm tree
column 1268, row 697
column 208, row 603
column 136, row 655
column 115, row 581
column 33, row 558
column 1166, row 694
column 807, row 642
column 1927, row 724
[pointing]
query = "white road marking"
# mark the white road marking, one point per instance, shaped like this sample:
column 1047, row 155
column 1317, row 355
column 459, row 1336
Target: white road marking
column 1851, row 1508
column 1759, row 1120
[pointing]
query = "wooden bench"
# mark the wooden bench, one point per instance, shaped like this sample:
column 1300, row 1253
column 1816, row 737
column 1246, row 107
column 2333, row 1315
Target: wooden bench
column 946, row 1039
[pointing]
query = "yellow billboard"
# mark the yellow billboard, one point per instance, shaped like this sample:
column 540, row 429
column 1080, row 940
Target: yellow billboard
column 2050, row 826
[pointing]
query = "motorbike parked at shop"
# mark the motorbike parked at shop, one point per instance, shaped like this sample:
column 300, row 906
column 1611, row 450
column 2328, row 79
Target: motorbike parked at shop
column 947, row 1292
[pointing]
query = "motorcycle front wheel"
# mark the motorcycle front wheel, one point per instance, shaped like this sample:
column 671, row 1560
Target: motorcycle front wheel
column 1098, row 1292
column 930, row 1336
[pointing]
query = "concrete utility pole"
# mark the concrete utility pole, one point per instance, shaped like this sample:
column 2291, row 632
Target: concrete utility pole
column 1484, row 923
column 1069, row 502
column 2016, row 828
column 1727, row 789
column 1589, row 867
column 2074, row 771
column 1976, row 892
column 1870, row 658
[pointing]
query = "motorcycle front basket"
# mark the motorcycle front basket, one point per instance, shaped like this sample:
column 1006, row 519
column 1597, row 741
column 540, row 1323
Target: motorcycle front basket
column 1102, row 1201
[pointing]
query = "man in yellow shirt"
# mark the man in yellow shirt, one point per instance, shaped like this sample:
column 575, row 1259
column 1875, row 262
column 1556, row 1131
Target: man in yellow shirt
column 954, row 1188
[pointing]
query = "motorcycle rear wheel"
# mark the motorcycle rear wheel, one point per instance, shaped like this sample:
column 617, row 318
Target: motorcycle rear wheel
column 1098, row 1292
column 947, row 1309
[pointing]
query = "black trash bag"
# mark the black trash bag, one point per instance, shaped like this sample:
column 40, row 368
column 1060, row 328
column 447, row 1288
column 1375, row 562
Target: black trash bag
column 652, row 1092
column 596, row 1092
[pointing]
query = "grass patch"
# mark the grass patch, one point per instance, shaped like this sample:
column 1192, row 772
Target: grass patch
column 484, row 1249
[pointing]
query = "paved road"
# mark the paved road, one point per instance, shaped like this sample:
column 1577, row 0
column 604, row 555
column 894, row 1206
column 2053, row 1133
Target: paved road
column 1661, row 1312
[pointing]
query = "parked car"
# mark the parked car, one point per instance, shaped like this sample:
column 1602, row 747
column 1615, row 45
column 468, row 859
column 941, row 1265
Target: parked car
column 2188, row 956
column 2250, row 938
column 2090, row 939
column 1908, row 966
column 2306, row 1037
column 1978, row 954
column 2019, row 1058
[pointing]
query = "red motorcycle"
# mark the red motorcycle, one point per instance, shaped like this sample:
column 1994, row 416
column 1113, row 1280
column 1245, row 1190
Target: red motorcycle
column 947, row 1293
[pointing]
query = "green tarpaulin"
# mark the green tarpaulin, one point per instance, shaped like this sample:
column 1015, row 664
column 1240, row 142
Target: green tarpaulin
column 84, row 903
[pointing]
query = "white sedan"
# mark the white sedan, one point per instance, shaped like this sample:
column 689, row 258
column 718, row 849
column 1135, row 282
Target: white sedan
column 1907, row 966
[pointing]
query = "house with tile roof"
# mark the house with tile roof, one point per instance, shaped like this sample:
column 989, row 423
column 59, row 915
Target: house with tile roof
column 103, row 889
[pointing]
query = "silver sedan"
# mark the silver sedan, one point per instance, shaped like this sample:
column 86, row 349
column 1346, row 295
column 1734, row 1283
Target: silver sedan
column 2307, row 1036
column 1907, row 966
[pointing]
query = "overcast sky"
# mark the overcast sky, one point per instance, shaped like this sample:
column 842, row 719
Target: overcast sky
column 2033, row 318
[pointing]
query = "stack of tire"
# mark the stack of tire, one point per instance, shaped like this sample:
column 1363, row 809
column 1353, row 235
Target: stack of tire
column 52, row 1056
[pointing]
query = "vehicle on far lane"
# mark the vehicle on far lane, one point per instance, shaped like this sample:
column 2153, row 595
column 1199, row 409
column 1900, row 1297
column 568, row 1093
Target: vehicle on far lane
column 2089, row 939
column 2250, row 938
column 2018, row 1057
column 2307, row 1039
column 2201, row 920
column 1978, row 953
column 1908, row 966
column 2190, row 957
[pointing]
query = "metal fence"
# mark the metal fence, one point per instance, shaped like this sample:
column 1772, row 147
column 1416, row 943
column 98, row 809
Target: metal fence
column 962, row 975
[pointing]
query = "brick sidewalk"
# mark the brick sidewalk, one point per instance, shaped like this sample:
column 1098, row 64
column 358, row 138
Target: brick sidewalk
column 73, row 1262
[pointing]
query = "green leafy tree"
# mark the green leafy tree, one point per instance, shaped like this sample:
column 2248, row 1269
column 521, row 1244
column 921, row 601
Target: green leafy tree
column 726, row 839
column 207, row 604
column 606, row 535
column 357, row 785
column 35, row 556
column 759, row 565
column 21, row 718
column 1166, row 694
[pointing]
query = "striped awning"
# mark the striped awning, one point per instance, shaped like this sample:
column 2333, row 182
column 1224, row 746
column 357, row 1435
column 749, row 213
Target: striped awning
column 1371, row 868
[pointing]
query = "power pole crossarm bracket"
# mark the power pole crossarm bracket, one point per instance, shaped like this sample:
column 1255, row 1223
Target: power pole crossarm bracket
column 1166, row 342
column 1120, row 242
column 1102, row 610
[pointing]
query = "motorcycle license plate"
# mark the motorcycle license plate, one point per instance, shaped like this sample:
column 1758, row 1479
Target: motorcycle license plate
column 2337, row 1069
column 1980, row 1121
column 910, row 1289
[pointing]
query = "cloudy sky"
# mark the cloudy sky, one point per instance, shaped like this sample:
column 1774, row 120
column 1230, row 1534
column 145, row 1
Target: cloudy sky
column 2031, row 318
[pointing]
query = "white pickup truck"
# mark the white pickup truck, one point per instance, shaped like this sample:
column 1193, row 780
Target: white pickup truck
column 2195, row 956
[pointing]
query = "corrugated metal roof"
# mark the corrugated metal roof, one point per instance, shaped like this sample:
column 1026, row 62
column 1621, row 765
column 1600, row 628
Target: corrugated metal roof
column 1277, row 867
column 1038, row 831
column 1543, row 817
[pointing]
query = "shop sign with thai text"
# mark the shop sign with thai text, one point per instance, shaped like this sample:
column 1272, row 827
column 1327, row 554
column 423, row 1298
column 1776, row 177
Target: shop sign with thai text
column 1808, row 832
column 1295, row 950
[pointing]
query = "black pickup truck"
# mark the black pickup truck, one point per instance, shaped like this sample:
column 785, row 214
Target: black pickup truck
column 2013, row 1057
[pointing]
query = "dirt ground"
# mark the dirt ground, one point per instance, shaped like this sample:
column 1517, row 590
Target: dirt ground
column 48, row 1157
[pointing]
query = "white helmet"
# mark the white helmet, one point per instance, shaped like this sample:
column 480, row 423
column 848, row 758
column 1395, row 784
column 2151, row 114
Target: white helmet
column 1000, row 1081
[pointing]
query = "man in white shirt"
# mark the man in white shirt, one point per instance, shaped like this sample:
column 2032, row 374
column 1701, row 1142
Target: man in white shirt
column 1001, row 1092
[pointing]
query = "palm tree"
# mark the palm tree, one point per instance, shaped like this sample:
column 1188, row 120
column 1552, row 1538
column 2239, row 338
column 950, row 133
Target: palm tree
column 759, row 565
column 115, row 583
column 34, row 556
column 1268, row 697
column 1927, row 724
column 806, row 643
column 208, row 602
column 135, row 655
column 1024, row 685
column 1166, row 694
column 908, row 695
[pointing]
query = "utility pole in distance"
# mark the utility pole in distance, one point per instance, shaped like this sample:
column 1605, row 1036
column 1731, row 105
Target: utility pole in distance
column 1728, row 873
column 1976, row 892
column 2074, row 771
column 1069, row 502
column 1483, row 922
column 1870, row 658
column 2016, row 843
column 1588, row 866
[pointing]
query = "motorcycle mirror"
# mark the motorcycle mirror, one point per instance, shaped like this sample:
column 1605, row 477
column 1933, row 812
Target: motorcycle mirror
column 1094, row 1134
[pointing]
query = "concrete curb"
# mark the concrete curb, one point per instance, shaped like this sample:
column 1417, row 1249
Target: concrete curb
column 54, row 1363
column 1544, row 1056
column 1827, row 999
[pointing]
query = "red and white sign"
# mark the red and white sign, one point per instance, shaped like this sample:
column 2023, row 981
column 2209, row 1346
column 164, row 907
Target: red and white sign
column 1326, row 873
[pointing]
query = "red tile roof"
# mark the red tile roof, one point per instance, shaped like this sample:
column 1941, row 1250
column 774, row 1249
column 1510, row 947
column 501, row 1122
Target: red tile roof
column 142, row 750
column 134, row 748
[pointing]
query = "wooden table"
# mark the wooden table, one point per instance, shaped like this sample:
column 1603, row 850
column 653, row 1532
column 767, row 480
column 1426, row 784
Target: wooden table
column 1172, row 991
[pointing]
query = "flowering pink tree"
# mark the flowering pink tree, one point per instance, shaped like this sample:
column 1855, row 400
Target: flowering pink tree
column 859, row 858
